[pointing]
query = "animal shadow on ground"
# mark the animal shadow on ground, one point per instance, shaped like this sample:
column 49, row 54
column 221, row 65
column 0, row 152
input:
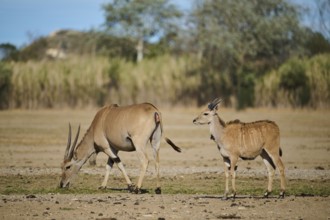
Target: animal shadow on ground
column 142, row 191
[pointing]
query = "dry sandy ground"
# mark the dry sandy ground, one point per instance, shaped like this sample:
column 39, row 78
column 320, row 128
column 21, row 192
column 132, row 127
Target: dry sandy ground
column 33, row 142
column 128, row 206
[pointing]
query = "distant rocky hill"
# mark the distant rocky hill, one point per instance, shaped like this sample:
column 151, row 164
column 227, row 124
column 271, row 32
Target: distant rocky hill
column 64, row 43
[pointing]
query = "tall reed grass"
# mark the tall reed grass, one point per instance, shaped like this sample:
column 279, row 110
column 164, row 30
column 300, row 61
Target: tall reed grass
column 166, row 80
column 50, row 84
column 86, row 81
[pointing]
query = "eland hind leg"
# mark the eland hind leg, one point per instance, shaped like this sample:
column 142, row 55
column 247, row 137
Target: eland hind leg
column 268, row 161
column 155, row 143
column 272, row 161
column 281, row 168
column 140, row 146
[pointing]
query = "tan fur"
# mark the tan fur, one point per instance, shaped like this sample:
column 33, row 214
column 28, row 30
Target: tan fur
column 115, row 129
column 250, row 138
column 237, row 139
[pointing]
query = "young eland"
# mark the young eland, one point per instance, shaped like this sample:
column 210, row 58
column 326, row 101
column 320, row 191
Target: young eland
column 246, row 141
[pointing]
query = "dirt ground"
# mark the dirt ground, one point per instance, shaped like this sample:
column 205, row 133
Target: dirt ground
column 32, row 143
column 128, row 206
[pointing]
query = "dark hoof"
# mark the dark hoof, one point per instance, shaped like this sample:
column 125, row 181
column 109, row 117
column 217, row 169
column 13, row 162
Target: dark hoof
column 281, row 195
column 266, row 194
column 102, row 187
column 131, row 188
column 137, row 191
column 140, row 191
column 233, row 196
column 158, row 190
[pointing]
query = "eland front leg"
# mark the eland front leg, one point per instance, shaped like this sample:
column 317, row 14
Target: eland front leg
column 233, row 168
column 228, row 165
column 92, row 159
column 226, row 162
column 108, row 168
column 116, row 159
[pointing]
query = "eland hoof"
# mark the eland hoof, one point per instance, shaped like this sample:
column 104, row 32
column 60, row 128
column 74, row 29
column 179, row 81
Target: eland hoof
column 158, row 190
column 140, row 191
column 267, row 193
column 137, row 191
column 131, row 188
column 281, row 196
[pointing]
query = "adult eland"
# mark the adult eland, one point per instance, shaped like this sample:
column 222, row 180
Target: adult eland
column 113, row 129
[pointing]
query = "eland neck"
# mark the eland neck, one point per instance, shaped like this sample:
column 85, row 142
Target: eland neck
column 217, row 127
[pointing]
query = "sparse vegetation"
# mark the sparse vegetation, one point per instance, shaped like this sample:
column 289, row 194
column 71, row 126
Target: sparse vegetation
column 209, row 184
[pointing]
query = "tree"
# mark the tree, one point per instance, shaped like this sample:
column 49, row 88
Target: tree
column 323, row 7
column 5, row 85
column 316, row 43
column 141, row 20
column 239, row 38
column 8, row 52
column 35, row 51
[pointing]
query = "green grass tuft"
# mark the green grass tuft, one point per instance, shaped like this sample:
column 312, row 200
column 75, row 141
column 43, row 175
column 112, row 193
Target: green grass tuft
column 212, row 184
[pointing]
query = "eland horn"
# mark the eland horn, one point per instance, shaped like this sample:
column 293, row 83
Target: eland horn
column 214, row 103
column 70, row 153
column 66, row 154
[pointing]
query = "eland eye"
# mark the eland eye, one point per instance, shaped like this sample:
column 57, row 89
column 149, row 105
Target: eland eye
column 68, row 167
column 206, row 114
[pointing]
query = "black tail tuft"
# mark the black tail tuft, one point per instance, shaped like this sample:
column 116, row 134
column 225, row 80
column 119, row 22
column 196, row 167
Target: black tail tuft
column 281, row 152
column 176, row 148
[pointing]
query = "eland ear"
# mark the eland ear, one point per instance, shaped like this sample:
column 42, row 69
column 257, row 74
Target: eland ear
column 217, row 105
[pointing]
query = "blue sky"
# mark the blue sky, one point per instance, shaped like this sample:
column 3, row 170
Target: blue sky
column 20, row 19
column 23, row 20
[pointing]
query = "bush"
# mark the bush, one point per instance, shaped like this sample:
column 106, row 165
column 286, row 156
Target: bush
column 294, row 82
column 5, row 81
column 297, row 83
column 246, row 91
column 318, row 73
